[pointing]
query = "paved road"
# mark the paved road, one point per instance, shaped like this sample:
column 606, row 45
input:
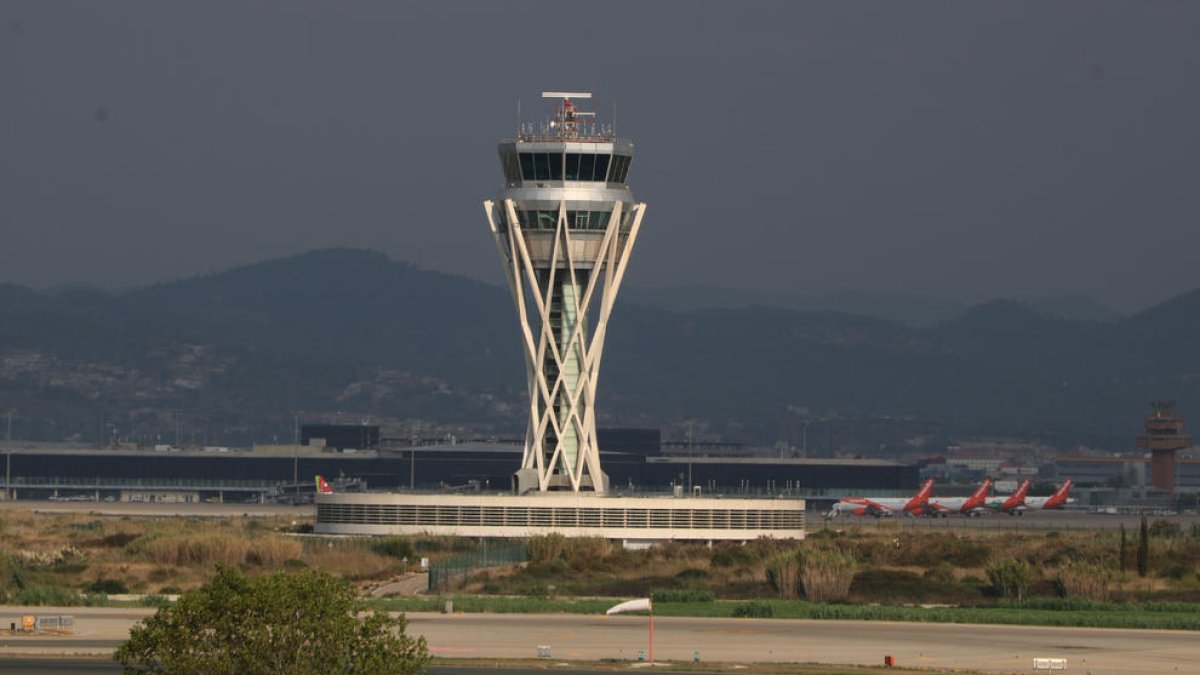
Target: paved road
column 49, row 666
column 1006, row 649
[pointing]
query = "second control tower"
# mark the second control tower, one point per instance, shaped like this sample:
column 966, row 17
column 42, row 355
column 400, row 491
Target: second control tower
column 565, row 223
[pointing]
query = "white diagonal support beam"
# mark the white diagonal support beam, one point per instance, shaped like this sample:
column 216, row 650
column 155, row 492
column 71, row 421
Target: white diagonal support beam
column 571, row 275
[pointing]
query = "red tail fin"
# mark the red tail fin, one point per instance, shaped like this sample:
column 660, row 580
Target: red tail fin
column 922, row 496
column 1060, row 495
column 1023, row 490
column 925, row 491
column 980, row 495
column 323, row 487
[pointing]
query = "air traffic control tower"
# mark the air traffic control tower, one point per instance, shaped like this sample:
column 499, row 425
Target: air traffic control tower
column 565, row 223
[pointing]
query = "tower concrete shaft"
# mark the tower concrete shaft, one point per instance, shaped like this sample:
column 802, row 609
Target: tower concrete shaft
column 564, row 224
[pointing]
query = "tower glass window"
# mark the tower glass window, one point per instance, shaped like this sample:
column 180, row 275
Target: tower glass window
column 601, row 167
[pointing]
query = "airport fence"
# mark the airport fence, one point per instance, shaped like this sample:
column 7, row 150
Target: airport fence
column 455, row 570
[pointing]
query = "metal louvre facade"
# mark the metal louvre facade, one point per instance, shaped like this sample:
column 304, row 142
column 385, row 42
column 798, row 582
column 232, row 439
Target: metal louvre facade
column 612, row 517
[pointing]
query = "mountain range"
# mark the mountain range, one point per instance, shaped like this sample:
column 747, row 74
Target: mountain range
column 231, row 357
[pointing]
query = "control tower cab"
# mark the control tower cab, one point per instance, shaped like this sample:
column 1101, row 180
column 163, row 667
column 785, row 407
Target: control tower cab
column 565, row 223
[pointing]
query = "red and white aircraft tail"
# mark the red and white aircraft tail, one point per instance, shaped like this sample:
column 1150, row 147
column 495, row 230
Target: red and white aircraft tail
column 945, row 506
column 920, row 501
column 978, row 499
column 1012, row 504
column 323, row 487
column 1055, row 501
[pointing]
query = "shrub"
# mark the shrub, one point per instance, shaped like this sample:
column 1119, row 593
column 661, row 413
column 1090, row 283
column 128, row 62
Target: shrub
column 1165, row 529
column 108, row 586
column 542, row 549
column 587, row 553
column 1085, row 580
column 692, row 574
column 754, row 610
column 394, row 547
column 1010, row 577
column 732, row 556
column 826, row 575
column 154, row 600
column 1143, row 550
column 1177, row 570
column 117, row 540
column 47, row 595
column 783, row 573
column 682, row 595
column 943, row 572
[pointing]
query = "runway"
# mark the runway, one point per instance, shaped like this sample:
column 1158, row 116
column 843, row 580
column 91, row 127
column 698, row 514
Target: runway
column 160, row 510
column 582, row 638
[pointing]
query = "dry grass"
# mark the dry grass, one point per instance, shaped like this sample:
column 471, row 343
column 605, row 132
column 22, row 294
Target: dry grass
column 353, row 564
column 203, row 549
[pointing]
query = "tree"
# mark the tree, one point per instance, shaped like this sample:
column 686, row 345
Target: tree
column 1143, row 550
column 1010, row 577
column 1123, row 556
column 287, row 622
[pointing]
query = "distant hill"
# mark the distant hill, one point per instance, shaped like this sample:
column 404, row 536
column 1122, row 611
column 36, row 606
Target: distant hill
column 351, row 331
column 916, row 310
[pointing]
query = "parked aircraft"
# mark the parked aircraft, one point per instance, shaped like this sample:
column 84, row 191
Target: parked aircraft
column 884, row 506
column 1054, row 501
column 968, row 506
column 323, row 487
column 1013, row 504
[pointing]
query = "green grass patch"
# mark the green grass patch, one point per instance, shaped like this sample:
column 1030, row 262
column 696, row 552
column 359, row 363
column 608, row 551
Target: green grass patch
column 1166, row 616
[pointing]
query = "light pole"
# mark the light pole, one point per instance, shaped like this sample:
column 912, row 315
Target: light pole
column 8, row 457
column 690, row 421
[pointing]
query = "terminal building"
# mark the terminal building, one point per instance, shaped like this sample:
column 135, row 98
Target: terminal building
column 632, row 461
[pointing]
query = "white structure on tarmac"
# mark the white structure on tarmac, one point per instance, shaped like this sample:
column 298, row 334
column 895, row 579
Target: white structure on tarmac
column 565, row 223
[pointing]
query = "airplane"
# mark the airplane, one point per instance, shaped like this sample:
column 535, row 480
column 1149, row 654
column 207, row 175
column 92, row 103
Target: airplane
column 881, row 507
column 323, row 487
column 1014, row 504
column 1054, row 501
column 969, row 506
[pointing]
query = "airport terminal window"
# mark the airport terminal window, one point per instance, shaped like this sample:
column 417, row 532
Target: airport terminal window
column 572, row 166
column 556, row 166
column 527, row 166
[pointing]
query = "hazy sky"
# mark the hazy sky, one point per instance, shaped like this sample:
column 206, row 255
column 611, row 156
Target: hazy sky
column 969, row 150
